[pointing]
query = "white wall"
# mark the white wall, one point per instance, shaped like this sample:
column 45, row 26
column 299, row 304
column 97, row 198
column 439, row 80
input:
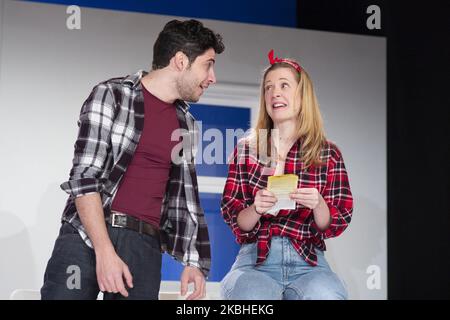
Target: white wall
column 46, row 72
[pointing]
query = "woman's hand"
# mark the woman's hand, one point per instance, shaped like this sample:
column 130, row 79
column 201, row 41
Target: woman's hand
column 309, row 197
column 312, row 199
column 264, row 201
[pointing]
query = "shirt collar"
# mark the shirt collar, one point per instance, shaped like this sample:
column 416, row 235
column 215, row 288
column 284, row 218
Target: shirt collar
column 134, row 82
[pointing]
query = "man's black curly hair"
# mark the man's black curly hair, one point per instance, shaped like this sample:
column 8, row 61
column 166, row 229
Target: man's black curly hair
column 189, row 37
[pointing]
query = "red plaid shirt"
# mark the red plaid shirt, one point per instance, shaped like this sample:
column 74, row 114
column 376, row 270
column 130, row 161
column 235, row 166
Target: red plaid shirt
column 245, row 179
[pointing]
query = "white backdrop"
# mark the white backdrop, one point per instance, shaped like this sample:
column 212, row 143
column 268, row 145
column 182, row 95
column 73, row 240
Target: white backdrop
column 46, row 72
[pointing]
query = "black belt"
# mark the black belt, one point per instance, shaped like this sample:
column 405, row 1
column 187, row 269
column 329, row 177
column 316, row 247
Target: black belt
column 122, row 220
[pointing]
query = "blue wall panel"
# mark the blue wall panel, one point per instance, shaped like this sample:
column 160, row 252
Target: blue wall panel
column 268, row 12
column 221, row 118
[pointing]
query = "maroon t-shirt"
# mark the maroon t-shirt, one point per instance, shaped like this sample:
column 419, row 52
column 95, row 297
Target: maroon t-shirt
column 142, row 188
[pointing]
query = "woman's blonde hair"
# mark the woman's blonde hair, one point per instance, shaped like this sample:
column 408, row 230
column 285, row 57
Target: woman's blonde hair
column 309, row 121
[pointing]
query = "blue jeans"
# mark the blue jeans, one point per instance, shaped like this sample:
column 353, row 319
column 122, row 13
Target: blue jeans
column 140, row 252
column 284, row 275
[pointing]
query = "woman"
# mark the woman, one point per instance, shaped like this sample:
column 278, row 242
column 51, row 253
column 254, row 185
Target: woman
column 281, row 255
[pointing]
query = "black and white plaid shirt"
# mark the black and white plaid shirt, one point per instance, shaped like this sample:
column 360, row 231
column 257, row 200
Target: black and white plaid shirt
column 110, row 125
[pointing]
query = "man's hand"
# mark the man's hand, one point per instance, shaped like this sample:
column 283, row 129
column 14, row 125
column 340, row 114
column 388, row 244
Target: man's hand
column 193, row 274
column 111, row 272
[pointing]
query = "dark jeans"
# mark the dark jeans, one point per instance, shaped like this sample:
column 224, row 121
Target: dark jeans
column 71, row 255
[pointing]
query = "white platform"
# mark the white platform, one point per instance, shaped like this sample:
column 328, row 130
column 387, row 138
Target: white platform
column 170, row 290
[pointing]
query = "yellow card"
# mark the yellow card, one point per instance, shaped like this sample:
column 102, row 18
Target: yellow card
column 281, row 187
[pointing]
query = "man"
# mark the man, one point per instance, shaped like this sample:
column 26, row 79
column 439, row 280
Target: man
column 133, row 193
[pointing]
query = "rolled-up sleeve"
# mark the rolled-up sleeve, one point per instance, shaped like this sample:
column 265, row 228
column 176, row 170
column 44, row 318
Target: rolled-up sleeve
column 95, row 123
column 233, row 200
column 338, row 197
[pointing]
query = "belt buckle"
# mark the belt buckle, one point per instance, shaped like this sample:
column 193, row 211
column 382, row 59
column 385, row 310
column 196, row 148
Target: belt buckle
column 121, row 220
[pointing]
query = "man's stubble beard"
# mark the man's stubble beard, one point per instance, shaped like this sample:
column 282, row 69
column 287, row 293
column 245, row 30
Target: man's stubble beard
column 187, row 89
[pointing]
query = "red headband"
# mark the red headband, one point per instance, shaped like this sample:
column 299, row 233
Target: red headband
column 273, row 60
